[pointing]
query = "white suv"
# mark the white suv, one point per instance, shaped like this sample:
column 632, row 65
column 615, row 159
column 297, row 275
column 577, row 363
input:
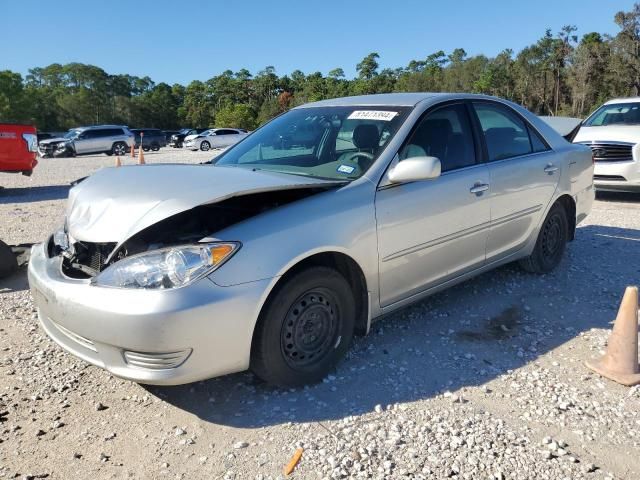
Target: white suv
column 109, row 139
column 613, row 133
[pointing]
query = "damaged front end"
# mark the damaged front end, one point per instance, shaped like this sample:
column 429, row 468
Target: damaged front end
column 175, row 250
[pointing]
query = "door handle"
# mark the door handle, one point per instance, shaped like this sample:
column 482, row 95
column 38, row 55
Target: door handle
column 550, row 169
column 478, row 188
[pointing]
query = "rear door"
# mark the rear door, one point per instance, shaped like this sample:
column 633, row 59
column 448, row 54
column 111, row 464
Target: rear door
column 523, row 176
column 225, row 137
column 434, row 230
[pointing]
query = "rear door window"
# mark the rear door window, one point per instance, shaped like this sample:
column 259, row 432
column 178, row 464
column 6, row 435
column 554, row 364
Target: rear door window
column 506, row 135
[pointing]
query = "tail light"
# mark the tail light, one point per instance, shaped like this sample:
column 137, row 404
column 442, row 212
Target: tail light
column 31, row 140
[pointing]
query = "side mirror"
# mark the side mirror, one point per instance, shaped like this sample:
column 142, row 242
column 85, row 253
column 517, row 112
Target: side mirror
column 415, row 169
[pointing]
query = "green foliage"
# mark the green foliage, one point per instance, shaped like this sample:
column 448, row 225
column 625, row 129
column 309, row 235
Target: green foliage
column 239, row 115
column 559, row 74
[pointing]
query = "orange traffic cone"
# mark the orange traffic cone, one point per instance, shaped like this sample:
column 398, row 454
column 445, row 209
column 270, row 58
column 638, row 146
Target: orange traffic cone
column 118, row 162
column 141, row 157
column 133, row 151
column 620, row 362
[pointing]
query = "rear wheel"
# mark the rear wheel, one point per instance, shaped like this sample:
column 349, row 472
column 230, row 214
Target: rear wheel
column 304, row 329
column 155, row 147
column 551, row 242
column 119, row 148
column 205, row 146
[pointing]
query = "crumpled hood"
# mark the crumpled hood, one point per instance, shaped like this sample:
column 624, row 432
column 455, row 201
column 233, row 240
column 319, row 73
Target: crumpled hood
column 609, row 133
column 52, row 140
column 191, row 137
column 114, row 204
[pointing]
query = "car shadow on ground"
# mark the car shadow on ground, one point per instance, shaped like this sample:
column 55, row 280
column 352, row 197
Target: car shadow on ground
column 33, row 194
column 621, row 197
column 465, row 336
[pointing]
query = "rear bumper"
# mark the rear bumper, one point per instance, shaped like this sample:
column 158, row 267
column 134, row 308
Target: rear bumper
column 165, row 337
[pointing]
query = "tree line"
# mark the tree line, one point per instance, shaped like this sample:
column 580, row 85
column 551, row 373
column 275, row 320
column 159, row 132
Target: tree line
column 560, row 74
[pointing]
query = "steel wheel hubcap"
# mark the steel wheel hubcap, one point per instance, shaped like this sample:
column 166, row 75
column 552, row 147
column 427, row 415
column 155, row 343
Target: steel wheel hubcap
column 310, row 329
column 205, row 146
column 551, row 236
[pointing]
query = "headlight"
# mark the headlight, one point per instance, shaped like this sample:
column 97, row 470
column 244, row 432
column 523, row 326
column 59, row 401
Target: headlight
column 167, row 268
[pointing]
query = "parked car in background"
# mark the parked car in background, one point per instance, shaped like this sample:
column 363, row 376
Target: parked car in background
column 152, row 138
column 272, row 257
column 18, row 148
column 613, row 134
column 109, row 139
column 169, row 133
column 214, row 138
column 177, row 139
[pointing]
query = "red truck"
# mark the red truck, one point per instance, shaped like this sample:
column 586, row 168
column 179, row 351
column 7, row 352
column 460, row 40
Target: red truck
column 18, row 148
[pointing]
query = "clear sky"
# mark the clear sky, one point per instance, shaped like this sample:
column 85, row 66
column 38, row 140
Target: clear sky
column 176, row 41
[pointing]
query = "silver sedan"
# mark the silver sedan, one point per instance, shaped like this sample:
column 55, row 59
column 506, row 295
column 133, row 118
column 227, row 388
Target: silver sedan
column 273, row 255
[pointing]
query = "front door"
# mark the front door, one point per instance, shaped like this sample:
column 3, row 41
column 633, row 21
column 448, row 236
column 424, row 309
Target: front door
column 434, row 230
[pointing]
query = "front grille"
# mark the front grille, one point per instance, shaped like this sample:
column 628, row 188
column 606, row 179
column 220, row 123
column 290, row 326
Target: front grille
column 610, row 178
column 93, row 255
column 88, row 259
column 611, row 152
column 156, row 361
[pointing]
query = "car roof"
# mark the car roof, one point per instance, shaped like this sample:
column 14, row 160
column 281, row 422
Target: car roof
column 394, row 99
column 623, row 100
column 92, row 127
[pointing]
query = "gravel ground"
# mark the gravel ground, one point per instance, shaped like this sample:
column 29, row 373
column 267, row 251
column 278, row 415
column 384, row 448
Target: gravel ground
column 483, row 381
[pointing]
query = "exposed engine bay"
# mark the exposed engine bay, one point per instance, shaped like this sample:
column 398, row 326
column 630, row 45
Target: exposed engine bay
column 86, row 259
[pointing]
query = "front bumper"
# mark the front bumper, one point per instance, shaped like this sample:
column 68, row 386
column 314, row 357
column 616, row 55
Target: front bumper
column 617, row 176
column 162, row 337
column 191, row 145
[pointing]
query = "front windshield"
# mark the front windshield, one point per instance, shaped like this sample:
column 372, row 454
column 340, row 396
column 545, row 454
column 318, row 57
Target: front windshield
column 71, row 134
column 615, row 114
column 185, row 131
column 324, row 142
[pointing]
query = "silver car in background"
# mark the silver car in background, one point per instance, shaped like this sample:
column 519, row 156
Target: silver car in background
column 214, row 138
column 276, row 253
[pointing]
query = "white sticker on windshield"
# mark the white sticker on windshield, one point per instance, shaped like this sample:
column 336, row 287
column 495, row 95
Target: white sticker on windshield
column 346, row 169
column 372, row 115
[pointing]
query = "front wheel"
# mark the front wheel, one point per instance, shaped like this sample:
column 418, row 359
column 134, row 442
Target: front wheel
column 119, row 148
column 155, row 147
column 205, row 146
column 304, row 329
column 8, row 262
column 550, row 244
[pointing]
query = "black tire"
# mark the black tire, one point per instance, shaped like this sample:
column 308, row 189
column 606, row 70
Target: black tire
column 551, row 242
column 119, row 148
column 155, row 147
column 8, row 261
column 205, row 146
column 304, row 329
